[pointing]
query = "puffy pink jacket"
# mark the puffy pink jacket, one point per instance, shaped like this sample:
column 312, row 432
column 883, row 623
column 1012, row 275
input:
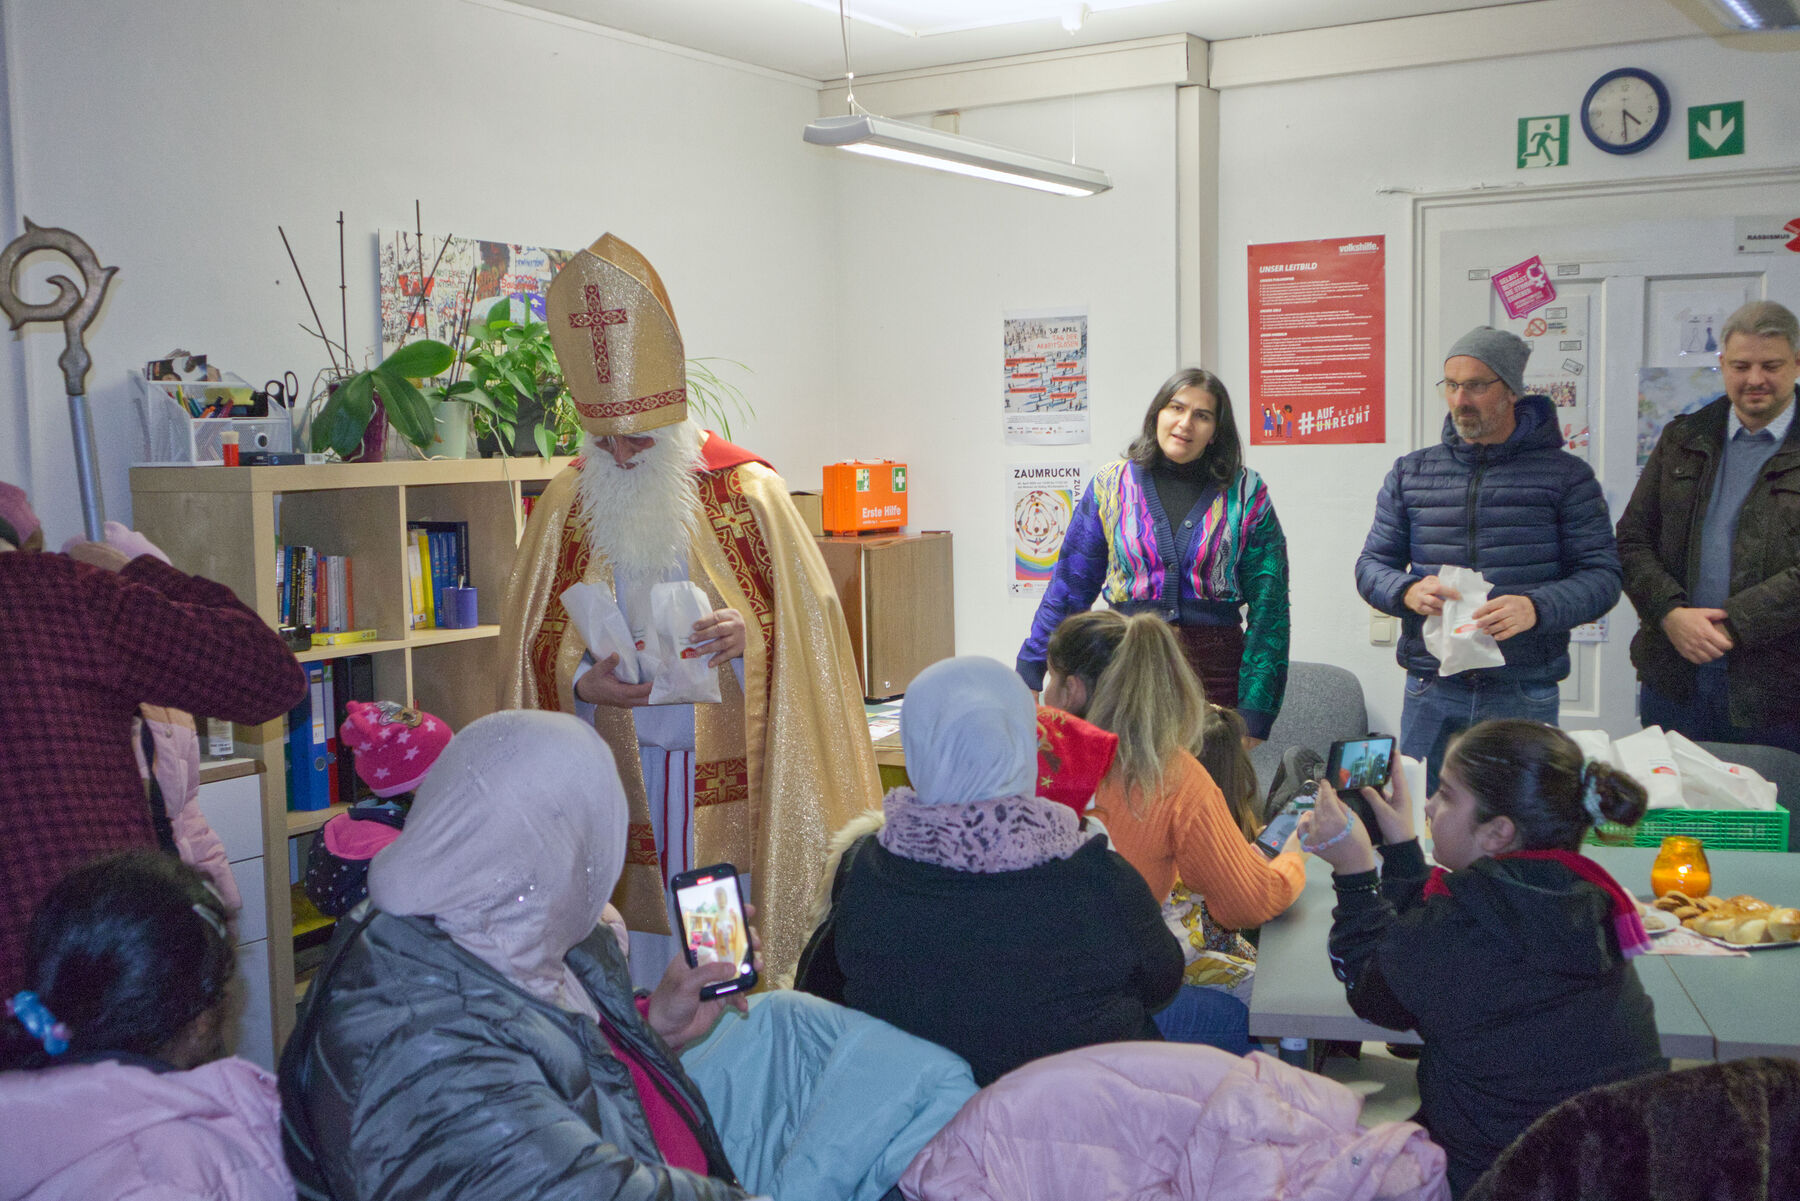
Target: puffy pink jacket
column 114, row 1131
column 1168, row 1120
column 177, row 770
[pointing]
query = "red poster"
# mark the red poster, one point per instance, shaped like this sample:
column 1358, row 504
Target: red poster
column 1318, row 342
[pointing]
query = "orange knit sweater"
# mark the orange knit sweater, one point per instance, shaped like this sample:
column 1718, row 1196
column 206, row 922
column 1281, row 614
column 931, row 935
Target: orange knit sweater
column 1189, row 831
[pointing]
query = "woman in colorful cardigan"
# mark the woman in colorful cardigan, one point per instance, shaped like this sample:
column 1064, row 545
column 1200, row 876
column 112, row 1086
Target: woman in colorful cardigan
column 1180, row 527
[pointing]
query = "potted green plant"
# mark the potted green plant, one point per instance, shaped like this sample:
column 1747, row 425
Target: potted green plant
column 515, row 387
column 358, row 408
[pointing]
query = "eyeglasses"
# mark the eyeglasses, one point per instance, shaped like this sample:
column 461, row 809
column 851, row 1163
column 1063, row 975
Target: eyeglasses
column 1474, row 389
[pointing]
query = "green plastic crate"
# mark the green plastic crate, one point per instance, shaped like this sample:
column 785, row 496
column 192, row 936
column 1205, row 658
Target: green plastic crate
column 1717, row 829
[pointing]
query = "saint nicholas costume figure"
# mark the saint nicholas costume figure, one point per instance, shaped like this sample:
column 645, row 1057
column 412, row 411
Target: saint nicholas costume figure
column 764, row 777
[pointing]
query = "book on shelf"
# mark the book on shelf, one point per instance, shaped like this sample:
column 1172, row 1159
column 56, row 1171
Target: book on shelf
column 315, row 590
column 437, row 557
column 355, row 682
column 344, row 637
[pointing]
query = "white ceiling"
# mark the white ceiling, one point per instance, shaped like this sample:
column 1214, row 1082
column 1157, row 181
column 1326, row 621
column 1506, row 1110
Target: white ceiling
column 790, row 36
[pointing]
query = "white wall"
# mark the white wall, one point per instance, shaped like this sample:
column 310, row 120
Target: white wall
column 176, row 136
column 929, row 263
column 1316, row 159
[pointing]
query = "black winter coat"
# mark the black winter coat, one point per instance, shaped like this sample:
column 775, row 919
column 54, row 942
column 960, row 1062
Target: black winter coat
column 419, row 1073
column 1515, row 983
column 1526, row 514
column 1659, row 544
column 999, row 967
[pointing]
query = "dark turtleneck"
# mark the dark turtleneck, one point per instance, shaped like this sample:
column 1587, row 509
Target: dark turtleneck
column 1179, row 485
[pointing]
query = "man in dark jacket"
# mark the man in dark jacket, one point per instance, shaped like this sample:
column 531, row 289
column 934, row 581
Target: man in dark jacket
column 1711, row 549
column 1501, row 496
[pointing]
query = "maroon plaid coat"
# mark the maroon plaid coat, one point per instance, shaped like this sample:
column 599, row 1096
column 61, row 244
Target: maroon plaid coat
column 80, row 649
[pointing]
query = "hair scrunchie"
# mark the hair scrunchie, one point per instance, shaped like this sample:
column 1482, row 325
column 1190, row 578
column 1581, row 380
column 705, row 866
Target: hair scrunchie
column 37, row 1019
column 1590, row 791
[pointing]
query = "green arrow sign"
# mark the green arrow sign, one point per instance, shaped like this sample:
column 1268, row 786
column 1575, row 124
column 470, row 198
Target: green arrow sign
column 1716, row 130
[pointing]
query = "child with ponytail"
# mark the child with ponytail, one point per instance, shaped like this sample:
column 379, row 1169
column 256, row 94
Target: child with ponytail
column 1162, row 810
column 112, row 1083
column 1512, row 959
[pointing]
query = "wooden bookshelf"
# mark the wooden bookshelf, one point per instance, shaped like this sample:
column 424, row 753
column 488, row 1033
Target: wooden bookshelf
column 227, row 523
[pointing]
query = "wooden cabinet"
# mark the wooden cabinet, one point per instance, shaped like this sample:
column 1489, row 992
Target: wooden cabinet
column 899, row 601
column 228, row 523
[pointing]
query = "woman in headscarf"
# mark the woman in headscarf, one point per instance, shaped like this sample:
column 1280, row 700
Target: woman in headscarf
column 981, row 916
column 473, row 1032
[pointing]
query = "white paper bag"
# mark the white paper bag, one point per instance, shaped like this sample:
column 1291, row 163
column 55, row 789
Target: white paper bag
column 682, row 675
column 1645, row 757
column 603, row 628
column 1452, row 636
column 1708, row 782
column 1596, row 745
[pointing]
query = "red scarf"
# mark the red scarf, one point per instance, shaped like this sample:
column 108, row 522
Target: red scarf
column 1633, row 941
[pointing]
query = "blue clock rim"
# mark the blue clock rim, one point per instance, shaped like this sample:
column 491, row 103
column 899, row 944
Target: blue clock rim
column 1656, row 129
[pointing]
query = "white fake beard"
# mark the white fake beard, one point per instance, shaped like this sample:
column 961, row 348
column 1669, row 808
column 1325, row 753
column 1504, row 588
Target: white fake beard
column 642, row 518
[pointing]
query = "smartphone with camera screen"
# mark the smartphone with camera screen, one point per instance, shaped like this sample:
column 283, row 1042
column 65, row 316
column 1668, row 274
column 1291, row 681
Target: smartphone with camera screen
column 1358, row 763
column 1275, row 834
column 709, row 903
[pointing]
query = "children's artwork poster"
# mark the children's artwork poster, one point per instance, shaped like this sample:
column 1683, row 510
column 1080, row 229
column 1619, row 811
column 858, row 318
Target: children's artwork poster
column 1046, row 389
column 468, row 279
column 1558, row 367
column 1665, row 393
column 1318, row 342
column 1524, row 287
column 1043, row 497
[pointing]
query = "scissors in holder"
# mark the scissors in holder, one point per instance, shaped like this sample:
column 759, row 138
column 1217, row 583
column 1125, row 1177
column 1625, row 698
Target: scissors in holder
column 284, row 391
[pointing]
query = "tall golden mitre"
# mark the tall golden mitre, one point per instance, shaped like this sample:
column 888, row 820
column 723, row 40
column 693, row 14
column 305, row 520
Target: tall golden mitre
column 615, row 335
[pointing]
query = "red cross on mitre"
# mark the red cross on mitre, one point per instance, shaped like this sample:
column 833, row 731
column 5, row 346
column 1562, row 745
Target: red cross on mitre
column 595, row 320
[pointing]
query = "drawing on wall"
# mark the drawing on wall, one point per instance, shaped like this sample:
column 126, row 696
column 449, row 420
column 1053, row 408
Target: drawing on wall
column 1685, row 321
column 1043, row 498
column 1665, row 393
column 471, row 276
column 1046, row 376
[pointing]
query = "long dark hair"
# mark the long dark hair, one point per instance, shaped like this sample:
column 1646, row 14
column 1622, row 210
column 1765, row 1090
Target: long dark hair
column 1536, row 775
column 1222, row 456
column 125, row 952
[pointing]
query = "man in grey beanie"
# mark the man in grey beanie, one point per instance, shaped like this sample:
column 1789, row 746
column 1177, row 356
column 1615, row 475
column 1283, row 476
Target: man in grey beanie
column 1498, row 494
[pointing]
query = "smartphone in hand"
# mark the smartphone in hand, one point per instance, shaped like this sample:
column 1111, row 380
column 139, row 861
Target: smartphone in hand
column 1358, row 763
column 1275, row 834
column 709, row 903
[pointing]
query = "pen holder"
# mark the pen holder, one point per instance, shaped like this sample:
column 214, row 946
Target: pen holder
column 462, row 608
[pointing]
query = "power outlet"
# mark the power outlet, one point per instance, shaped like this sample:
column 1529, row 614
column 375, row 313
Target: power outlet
column 1383, row 630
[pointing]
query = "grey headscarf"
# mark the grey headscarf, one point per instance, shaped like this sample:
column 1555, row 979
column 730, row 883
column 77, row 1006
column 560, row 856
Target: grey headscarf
column 513, row 847
column 969, row 731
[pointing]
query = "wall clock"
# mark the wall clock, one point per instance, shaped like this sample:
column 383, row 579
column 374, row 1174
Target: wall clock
column 1625, row 111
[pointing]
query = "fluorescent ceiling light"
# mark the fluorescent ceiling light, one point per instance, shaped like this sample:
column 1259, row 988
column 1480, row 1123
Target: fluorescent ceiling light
column 922, row 18
column 1757, row 14
column 884, row 137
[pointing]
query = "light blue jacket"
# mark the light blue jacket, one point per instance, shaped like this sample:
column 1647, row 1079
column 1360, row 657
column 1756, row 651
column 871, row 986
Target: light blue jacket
column 816, row 1102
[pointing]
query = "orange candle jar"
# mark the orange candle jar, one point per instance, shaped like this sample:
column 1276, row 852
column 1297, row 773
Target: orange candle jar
column 1681, row 864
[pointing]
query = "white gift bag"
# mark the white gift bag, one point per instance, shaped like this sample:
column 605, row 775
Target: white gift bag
column 604, row 629
column 1645, row 757
column 1459, row 644
column 1708, row 782
column 1596, row 745
column 682, row 675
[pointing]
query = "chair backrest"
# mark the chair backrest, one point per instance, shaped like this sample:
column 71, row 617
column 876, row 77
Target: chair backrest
column 1323, row 704
column 1779, row 766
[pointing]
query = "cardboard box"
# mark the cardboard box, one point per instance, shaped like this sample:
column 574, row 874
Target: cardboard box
column 864, row 495
column 811, row 507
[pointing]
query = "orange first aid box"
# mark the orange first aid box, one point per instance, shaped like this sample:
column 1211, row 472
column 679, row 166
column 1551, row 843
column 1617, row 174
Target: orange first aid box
column 864, row 495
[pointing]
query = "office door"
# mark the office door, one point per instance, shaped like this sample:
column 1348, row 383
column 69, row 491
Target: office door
column 1638, row 285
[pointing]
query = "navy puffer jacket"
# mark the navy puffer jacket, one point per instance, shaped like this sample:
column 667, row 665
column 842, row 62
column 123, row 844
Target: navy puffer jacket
column 1526, row 514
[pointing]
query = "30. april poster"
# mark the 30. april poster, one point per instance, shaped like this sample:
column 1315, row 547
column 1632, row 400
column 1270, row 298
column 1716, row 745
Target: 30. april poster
column 1046, row 376
column 1043, row 498
column 1318, row 342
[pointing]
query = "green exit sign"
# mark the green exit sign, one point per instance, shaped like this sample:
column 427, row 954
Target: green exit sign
column 1716, row 130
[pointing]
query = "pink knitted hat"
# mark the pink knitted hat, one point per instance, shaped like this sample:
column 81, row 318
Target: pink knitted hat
column 15, row 510
column 394, row 746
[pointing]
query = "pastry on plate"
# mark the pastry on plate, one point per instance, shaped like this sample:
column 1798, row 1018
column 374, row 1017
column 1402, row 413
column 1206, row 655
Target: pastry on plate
column 1784, row 925
column 1747, row 932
